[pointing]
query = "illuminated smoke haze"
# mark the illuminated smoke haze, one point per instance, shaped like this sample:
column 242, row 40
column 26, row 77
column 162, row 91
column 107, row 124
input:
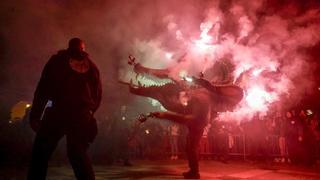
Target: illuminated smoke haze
column 266, row 50
column 265, row 41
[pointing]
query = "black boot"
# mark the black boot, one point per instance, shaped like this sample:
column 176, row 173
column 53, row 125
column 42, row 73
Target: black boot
column 191, row 175
column 127, row 163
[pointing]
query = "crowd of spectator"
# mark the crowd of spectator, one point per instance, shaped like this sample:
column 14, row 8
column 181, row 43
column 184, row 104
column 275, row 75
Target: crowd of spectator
column 291, row 136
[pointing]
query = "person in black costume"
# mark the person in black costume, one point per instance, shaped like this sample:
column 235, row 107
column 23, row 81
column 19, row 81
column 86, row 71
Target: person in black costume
column 70, row 83
column 197, row 112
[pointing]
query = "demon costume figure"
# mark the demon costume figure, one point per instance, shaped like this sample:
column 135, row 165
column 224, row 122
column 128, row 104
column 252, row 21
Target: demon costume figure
column 191, row 105
column 67, row 95
column 196, row 114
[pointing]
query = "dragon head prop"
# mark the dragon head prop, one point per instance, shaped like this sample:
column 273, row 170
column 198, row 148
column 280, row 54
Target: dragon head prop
column 222, row 97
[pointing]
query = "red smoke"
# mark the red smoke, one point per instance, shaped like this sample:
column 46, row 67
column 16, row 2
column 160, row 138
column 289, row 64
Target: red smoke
column 266, row 50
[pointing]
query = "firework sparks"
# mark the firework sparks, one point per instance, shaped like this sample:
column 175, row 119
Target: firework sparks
column 259, row 52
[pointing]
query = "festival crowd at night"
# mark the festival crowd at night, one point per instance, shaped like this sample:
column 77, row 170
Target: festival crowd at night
column 291, row 136
column 125, row 83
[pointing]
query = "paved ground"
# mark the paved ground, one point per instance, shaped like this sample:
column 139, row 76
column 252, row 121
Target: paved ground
column 172, row 170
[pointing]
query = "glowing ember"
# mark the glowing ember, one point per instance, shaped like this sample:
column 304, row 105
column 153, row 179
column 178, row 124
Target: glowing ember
column 256, row 72
column 257, row 98
column 189, row 79
column 169, row 55
column 309, row 112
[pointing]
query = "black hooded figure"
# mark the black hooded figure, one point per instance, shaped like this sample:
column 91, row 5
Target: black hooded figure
column 65, row 100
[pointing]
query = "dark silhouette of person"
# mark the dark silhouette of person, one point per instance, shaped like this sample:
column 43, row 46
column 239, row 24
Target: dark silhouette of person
column 221, row 140
column 294, row 134
column 120, row 148
column 65, row 100
column 197, row 114
column 257, row 137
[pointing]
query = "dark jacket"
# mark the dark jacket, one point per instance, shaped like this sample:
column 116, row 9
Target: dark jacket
column 55, row 81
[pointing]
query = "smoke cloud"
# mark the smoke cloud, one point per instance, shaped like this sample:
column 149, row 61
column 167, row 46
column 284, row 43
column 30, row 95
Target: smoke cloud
column 265, row 42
